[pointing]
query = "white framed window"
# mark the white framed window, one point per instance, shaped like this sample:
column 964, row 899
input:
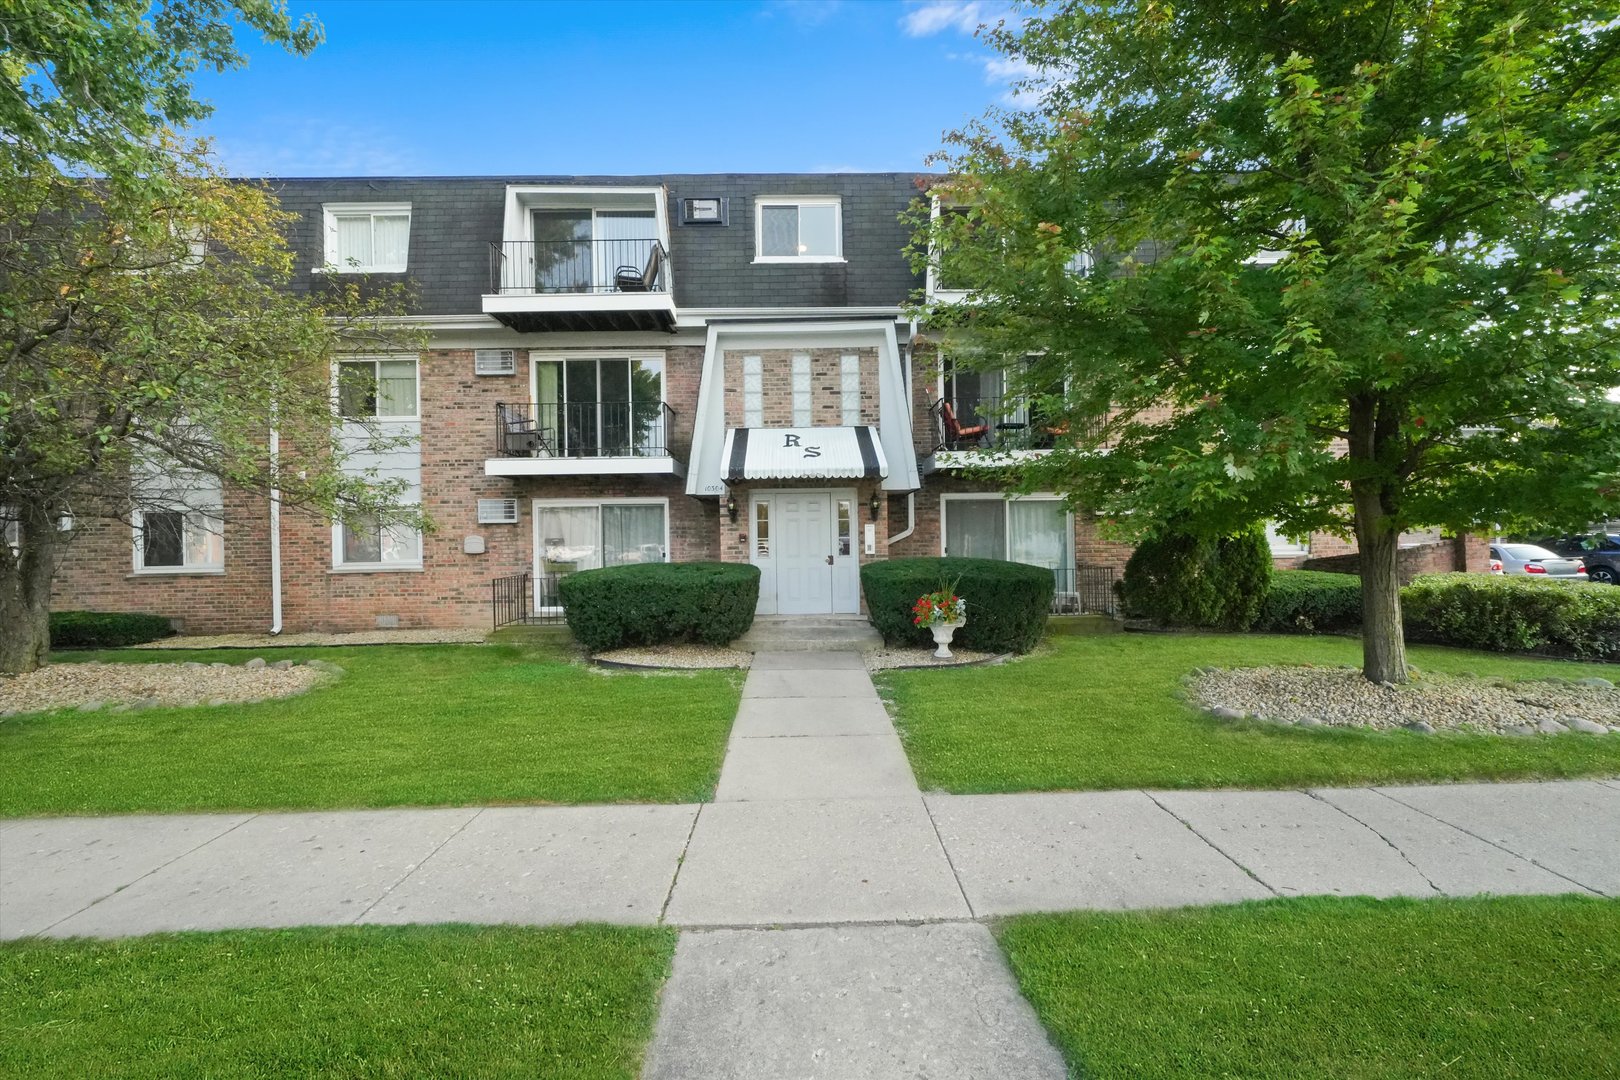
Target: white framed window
column 799, row 228
column 1283, row 547
column 802, row 416
column 587, row 534
column 367, row 238
column 849, row 388
column 366, row 544
column 1033, row 529
column 377, row 388
column 178, row 540
column 753, row 392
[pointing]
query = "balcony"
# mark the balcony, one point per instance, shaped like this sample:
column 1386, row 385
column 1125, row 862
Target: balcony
column 988, row 431
column 583, row 438
column 580, row 284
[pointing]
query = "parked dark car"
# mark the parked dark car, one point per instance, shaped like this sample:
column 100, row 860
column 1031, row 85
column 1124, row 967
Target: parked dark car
column 1599, row 551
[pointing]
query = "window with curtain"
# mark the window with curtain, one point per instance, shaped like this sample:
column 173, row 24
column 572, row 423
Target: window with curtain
column 812, row 229
column 801, row 390
column 1033, row 531
column 377, row 389
column 753, row 392
column 361, row 239
column 976, row 528
column 368, row 542
column 849, row 372
column 178, row 517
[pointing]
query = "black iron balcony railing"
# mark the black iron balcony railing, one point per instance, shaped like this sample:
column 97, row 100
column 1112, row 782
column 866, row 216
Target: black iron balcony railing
column 993, row 424
column 547, row 267
column 580, row 429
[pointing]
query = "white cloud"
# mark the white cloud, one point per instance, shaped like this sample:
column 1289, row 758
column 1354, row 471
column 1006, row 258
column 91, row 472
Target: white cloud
column 937, row 16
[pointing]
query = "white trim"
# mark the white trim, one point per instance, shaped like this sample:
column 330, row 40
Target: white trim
column 341, row 567
column 584, row 466
column 985, row 459
column 330, row 212
column 1285, row 547
column 519, row 303
column 536, row 505
column 177, row 571
column 798, row 202
column 211, row 515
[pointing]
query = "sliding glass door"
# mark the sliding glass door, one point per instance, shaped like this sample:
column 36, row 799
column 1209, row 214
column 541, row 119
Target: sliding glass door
column 601, row 406
column 1033, row 531
column 583, row 250
column 588, row 536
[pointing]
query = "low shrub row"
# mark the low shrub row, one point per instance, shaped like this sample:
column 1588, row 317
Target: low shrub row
column 105, row 629
column 660, row 603
column 1310, row 602
column 1514, row 614
column 1007, row 602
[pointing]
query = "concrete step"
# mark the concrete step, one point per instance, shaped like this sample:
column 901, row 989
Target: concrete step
column 809, row 634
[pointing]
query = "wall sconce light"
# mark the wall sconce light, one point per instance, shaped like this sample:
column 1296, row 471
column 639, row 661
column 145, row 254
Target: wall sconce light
column 731, row 507
column 875, row 505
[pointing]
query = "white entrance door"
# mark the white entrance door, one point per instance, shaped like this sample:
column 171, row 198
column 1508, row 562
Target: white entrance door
column 804, row 556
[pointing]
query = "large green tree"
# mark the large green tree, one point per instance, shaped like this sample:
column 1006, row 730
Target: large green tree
column 1351, row 267
column 146, row 332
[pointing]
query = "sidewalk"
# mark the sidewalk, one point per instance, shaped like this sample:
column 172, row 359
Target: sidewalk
column 818, row 827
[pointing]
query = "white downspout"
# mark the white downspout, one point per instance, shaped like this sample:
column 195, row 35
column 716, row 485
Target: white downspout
column 275, row 534
column 911, row 518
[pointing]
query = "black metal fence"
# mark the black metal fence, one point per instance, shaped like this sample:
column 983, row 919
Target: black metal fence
column 573, row 429
column 1085, row 590
column 524, row 598
column 577, row 266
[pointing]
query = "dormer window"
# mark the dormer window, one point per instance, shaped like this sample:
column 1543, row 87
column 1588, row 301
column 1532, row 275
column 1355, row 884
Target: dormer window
column 367, row 238
column 799, row 229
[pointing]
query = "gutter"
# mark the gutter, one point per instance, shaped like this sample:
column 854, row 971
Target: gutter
column 275, row 534
column 911, row 518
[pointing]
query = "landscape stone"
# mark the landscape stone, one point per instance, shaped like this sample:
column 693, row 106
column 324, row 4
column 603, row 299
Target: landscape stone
column 1520, row 730
column 1310, row 721
column 221, row 667
column 1222, row 712
column 1589, row 727
column 1549, row 726
column 1422, row 727
column 282, row 665
column 1596, row 681
column 90, row 706
column 256, row 662
column 194, row 665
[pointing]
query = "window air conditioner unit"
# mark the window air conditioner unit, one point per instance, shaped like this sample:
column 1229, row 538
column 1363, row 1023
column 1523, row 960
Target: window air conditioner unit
column 494, row 362
column 497, row 511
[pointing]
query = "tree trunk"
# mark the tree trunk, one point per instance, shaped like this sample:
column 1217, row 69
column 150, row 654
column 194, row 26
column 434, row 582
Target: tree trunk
column 25, row 592
column 1383, row 640
column 1373, row 428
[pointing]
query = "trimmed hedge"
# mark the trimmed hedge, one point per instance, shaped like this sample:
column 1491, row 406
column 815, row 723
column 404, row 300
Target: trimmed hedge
column 1311, row 602
column 1514, row 614
column 1180, row 580
column 105, row 629
column 660, row 603
column 1007, row 602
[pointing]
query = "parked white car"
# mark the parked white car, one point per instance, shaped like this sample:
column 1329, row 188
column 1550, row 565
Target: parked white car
column 1530, row 559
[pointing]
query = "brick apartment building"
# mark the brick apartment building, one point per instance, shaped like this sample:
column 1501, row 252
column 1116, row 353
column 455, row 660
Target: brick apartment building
column 620, row 370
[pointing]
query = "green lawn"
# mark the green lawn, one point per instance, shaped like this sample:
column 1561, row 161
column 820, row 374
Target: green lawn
column 442, row 1001
column 1493, row 989
column 1107, row 712
column 407, row 726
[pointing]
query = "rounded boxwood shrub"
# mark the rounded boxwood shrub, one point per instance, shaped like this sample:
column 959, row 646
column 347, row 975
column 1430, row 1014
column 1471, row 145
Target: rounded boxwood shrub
column 1514, row 614
column 1007, row 602
column 1310, row 602
column 1180, row 580
column 105, row 629
column 660, row 603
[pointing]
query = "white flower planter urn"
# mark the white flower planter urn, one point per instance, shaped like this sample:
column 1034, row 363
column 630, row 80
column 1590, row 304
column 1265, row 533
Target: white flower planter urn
column 943, row 632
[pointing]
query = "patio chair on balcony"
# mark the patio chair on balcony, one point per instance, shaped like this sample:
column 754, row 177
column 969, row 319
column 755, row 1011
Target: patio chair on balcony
column 955, row 433
column 520, row 435
column 631, row 279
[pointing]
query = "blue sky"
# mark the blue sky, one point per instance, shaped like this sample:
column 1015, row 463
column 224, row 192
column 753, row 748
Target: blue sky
column 619, row 86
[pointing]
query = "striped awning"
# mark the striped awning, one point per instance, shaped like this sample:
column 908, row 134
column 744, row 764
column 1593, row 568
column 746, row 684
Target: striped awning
column 810, row 453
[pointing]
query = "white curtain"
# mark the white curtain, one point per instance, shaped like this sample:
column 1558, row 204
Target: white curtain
column 624, row 239
column 396, row 388
column 570, row 539
column 390, row 237
column 1038, row 533
column 779, row 230
column 632, row 534
column 976, row 528
column 354, row 240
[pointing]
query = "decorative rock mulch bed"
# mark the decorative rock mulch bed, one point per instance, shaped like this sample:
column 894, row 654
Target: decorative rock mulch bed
column 691, row 657
column 283, row 641
column 1341, row 697
column 888, row 659
column 119, row 687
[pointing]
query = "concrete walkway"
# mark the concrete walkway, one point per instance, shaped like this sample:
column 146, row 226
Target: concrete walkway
column 832, row 910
